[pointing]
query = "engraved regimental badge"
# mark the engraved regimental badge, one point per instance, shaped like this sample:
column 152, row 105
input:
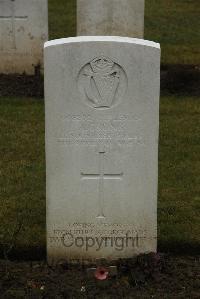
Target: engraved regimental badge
column 102, row 83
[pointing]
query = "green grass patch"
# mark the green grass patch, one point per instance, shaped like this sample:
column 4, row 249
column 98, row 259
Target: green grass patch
column 173, row 23
column 22, row 178
column 179, row 179
column 62, row 18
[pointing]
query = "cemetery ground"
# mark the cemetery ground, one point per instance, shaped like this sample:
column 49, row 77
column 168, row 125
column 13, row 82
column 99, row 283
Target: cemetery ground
column 174, row 272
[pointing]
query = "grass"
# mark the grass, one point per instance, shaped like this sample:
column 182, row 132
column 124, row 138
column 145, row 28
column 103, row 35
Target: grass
column 179, row 179
column 173, row 23
column 22, row 177
column 62, row 18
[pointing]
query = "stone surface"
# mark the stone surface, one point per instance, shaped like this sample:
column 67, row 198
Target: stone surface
column 102, row 119
column 23, row 31
column 111, row 17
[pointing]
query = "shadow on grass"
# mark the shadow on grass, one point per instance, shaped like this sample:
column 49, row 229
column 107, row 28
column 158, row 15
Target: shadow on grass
column 175, row 79
column 172, row 247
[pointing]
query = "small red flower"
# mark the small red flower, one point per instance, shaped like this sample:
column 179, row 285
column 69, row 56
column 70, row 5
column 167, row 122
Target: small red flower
column 101, row 273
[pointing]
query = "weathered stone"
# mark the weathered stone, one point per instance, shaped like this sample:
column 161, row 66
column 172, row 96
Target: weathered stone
column 23, row 31
column 102, row 111
column 110, row 17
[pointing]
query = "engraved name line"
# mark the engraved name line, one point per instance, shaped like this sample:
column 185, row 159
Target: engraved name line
column 137, row 140
column 89, row 118
column 16, row 17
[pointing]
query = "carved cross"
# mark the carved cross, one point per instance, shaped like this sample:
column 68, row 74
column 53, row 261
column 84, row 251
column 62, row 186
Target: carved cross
column 101, row 176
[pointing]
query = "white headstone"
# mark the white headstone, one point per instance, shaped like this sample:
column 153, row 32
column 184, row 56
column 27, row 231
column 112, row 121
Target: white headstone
column 110, row 17
column 102, row 115
column 23, row 31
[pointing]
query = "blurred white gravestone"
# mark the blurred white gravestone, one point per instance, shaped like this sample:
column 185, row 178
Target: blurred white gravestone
column 23, row 31
column 102, row 115
column 110, row 17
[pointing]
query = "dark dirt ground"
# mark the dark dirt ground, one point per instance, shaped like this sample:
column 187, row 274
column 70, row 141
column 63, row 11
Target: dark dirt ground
column 181, row 79
column 150, row 276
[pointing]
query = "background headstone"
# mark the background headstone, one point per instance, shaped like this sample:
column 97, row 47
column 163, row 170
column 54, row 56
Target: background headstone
column 23, row 31
column 102, row 112
column 110, row 17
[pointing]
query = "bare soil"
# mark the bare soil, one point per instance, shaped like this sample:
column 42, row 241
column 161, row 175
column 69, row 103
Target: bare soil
column 180, row 79
column 147, row 276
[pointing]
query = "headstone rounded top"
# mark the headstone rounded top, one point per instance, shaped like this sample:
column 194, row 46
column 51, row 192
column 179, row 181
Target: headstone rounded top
column 117, row 39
